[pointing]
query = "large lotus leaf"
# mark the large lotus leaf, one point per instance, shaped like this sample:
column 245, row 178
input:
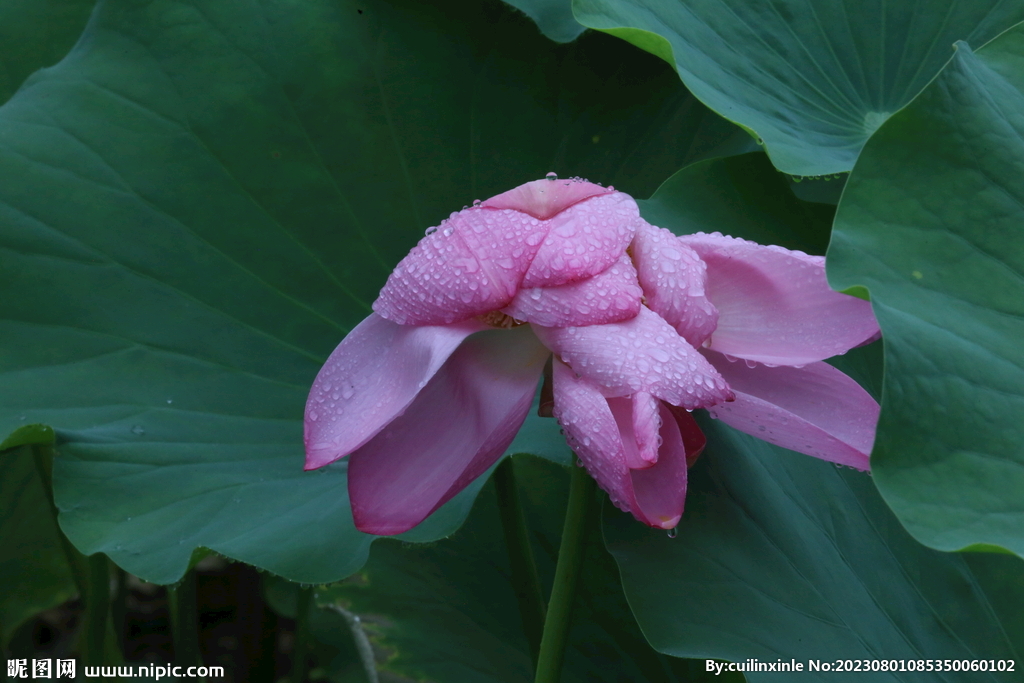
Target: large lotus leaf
column 743, row 196
column 36, row 34
column 553, row 18
column 448, row 612
column 33, row 568
column 932, row 222
column 812, row 78
column 204, row 197
column 781, row 556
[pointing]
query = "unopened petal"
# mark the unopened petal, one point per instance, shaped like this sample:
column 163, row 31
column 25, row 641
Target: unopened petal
column 816, row 410
column 673, row 277
column 775, row 305
column 611, row 296
column 545, row 198
column 458, row 426
column 593, row 433
column 642, row 354
column 371, row 377
column 660, row 490
column 471, row 265
column 584, row 240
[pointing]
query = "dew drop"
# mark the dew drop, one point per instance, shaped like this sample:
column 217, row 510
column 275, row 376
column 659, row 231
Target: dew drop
column 551, row 175
column 673, row 532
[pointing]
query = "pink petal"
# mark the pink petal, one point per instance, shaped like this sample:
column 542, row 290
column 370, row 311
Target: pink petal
column 646, row 422
column 611, row 296
column 673, row 277
column 642, row 354
column 545, row 198
column 458, row 426
column 661, row 490
column 373, row 375
column 816, row 410
column 584, row 240
column 593, row 433
column 623, row 412
column 470, row 266
column 601, row 431
column 775, row 305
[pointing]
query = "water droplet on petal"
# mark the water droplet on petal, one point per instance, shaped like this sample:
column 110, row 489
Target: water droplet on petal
column 673, row 532
column 551, row 175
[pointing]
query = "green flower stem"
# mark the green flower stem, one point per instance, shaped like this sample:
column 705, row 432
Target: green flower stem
column 570, row 562
column 77, row 562
column 300, row 650
column 97, row 610
column 184, row 610
column 525, row 580
column 91, row 576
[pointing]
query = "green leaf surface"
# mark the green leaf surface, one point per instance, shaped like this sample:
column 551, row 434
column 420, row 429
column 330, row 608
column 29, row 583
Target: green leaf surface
column 35, row 34
column 742, row 196
column 553, row 18
column 447, row 611
column 779, row 555
column 202, row 199
column 931, row 223
column 812, row 78
column 784, row 557
column 34, row 575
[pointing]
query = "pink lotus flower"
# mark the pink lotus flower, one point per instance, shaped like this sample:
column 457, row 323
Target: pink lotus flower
column 428, row 392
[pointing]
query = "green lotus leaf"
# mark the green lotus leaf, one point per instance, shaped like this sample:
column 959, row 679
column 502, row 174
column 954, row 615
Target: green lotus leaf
column 813, row 79
column 930, row 223
column 201, row 200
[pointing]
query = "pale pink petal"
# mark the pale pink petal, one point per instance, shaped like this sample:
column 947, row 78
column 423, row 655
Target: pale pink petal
column 593, row 433
column 601, row 432
column 646, row 422
column 816, row 410
column 545, row 198
column 775, row 305
column 672, row 277
column 660, row 491
column 642, row 354
column 608, row 297
column 622, row 411
column 373, row 375
column 471, row 265
column 584, row 240
column 458, row 426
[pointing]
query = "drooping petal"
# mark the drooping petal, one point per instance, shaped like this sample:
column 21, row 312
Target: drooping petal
column 602, row 432
column 470, row 266
column 458, row 426
column 816, row 410
column 673, row 278
column 646, row 421
column 642, row 354
column 660, row 490
column 545, row 198
column 622, row 411
column 611, row 296
column 369, row 379
column 584, row 240
column 593, row 433
column 775, row 305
